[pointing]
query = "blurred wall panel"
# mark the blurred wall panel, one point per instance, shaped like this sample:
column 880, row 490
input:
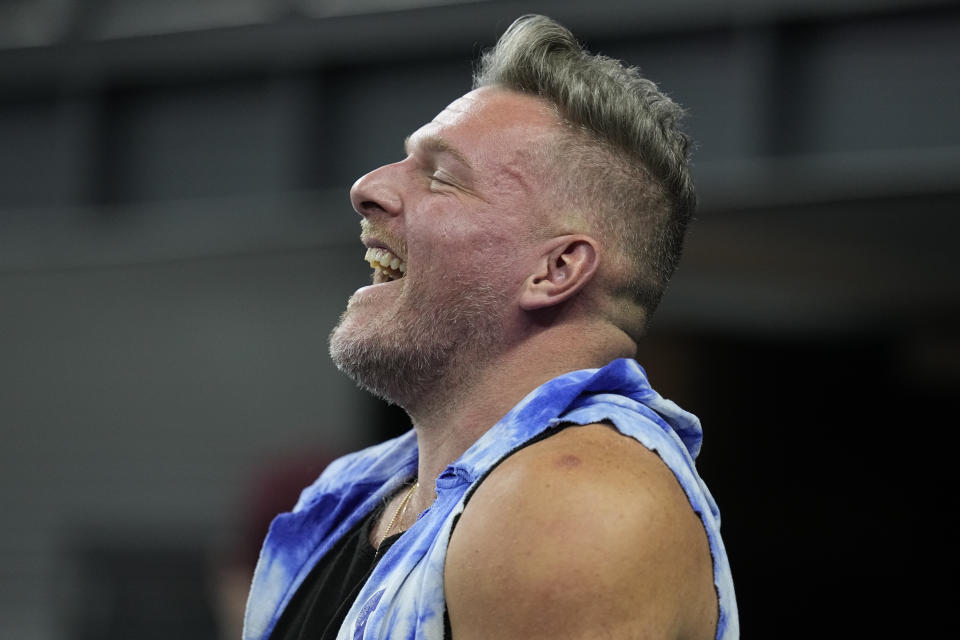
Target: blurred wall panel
column 881, row 83
column 204, row 139
column 48, row 144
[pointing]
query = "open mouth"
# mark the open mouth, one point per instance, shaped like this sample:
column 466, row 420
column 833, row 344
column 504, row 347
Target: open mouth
column 386, row 266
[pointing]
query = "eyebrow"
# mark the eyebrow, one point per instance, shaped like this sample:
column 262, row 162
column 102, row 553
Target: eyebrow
column 436, row 144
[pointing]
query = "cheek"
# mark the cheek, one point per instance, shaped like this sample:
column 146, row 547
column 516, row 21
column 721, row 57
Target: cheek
column 450, row 242
column 496, row 251
column 445, row 241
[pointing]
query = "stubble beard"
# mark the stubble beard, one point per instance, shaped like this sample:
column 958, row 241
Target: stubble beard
column 415, row 357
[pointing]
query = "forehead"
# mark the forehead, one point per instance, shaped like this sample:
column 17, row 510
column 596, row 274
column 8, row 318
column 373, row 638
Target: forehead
column 489, row 126
column 496, row 107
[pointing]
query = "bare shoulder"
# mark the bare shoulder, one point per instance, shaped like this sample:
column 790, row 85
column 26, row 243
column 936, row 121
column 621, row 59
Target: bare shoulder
column 585, row 534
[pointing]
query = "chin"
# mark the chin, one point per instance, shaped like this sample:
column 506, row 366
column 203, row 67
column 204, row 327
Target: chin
column 420, row 350
column 382, row 362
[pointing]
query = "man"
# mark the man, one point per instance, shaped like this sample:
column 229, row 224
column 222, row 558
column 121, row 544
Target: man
column 546, row 491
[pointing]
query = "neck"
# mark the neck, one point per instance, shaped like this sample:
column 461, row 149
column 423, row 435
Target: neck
column 464, row 406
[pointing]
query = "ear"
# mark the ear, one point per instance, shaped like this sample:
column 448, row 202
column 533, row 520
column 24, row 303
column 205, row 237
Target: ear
column 567, row 265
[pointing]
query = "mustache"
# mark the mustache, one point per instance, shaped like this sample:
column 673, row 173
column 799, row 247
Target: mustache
column 368, row 231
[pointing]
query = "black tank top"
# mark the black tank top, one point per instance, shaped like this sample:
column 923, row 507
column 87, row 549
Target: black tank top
column 319, row 606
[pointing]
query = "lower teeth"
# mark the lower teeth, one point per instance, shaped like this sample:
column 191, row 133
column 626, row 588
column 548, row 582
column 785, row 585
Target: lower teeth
column 389, row 274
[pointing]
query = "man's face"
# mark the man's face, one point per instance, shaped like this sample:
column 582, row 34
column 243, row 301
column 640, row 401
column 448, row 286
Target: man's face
column 452, row 232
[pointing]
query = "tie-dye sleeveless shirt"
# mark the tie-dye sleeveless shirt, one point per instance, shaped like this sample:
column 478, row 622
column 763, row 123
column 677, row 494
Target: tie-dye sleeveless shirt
column 404, row 597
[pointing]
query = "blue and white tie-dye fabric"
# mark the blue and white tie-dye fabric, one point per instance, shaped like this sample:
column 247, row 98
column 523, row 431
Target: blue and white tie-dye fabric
column 404, row 598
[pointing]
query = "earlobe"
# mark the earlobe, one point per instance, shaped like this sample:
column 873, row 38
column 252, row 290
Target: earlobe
column 564, row 269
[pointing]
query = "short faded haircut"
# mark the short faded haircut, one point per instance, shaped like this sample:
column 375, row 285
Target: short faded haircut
column 622, row 159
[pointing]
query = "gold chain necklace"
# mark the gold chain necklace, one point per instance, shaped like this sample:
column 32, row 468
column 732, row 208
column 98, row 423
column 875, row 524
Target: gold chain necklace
column 396, row 514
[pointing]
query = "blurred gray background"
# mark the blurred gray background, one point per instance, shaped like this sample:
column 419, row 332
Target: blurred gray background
column 176, row 242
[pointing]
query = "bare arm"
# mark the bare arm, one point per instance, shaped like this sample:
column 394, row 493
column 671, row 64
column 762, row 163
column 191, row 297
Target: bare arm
column 586, row 534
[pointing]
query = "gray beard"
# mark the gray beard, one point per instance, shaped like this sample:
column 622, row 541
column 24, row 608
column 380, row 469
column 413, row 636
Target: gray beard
column 411, row 358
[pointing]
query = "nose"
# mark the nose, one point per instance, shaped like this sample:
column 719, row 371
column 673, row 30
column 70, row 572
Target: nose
column 377, row 192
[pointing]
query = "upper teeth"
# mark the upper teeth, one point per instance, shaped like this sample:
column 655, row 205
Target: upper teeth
column 383, row 259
